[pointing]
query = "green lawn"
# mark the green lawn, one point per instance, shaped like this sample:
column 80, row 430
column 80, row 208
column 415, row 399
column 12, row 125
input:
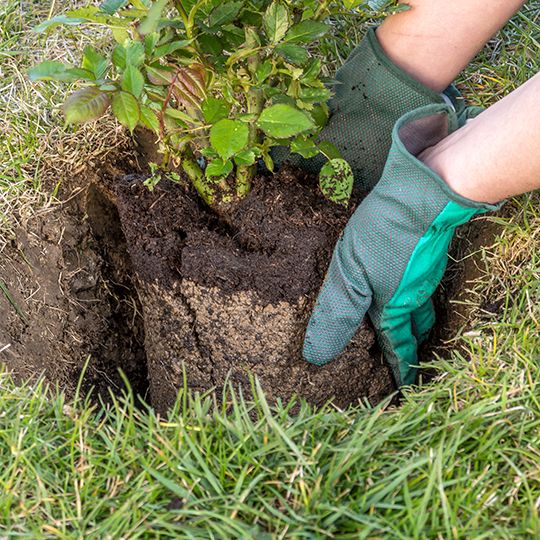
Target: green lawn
column 459, row 459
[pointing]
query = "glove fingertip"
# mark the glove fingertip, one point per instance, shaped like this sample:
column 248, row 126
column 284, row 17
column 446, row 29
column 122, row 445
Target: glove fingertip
column 313, row 355
column 320, row 345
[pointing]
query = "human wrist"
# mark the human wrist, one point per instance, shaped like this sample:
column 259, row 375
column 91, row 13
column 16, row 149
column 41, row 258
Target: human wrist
column 462, row 181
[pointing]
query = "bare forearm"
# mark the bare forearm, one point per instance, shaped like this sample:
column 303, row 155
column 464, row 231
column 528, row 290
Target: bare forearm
column 496, row 155
column 436, row 39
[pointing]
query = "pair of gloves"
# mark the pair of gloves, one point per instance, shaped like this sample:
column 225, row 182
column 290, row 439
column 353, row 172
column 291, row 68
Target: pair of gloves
column 393, row 253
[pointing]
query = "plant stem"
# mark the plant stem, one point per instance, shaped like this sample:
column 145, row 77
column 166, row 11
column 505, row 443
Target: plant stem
column 255, row 102
column 322, row 10
column 182, row 12
column 191, row 18
column 243, row 180
column 196, row 175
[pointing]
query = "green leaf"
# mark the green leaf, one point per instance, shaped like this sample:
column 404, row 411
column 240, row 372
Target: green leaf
column 130, row 53
column 376, row 5
column 49, row 71
column 160, row 76
column 283, row 99
column 313, row 71
column 246, row 158
column 234, row 37
column 276, row 22
column 320, row 114
column 209, row 153
column 150, row 43
column 150, row 23
column 58, row 21
column 119, row 56
column 305, row 147
column 225, row 13
column 94, row 62
column 89, row 13
column 351, row 4
column 329, row 150
column 141, row 4
column 264, row 70
column 133, row 81
column 251, row 17
column 241, row 54
column 294, row 54
column 215, row 109
column 120, row 35
column 134, row 53
column 306, row 32
column 149, row 119
column 210, row 44
column 336, row 181
column 268, row 161
column 112, row 6
column 179, row 115
column 85, row 105
column 126, row 108
column 228, row 137
column 315, row 95
column 169, row 48
column 78, row 74
column 219, row 167
column 282, row 121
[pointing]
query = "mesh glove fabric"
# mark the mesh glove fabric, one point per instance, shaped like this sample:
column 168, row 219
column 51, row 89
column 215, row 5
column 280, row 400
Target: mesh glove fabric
column 393, row 252
column 371, row 93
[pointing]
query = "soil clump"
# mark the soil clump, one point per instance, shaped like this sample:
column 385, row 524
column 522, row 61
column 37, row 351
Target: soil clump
column 226, row 299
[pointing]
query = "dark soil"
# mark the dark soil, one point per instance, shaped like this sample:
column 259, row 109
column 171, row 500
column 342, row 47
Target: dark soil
column 232, row 298
column 156, row 285
column 75, row 301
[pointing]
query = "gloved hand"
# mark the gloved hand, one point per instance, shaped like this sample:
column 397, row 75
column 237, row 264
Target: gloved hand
column 370, row 94
column 393, row 253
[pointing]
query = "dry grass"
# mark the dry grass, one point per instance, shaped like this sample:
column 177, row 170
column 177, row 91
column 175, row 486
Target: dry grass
column 38, row 154
column 507, row 61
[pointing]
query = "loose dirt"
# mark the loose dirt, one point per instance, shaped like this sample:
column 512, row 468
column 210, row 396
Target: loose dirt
column 156, row 285
column 231, row 298
column 68, row 302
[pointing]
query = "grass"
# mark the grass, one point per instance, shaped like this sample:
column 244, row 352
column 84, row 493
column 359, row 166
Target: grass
column 507, row 61
column 37, row 153
column 459, row 459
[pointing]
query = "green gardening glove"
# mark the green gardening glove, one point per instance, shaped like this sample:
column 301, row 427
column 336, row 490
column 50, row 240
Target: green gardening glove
column 370, row 94
column 393, row 253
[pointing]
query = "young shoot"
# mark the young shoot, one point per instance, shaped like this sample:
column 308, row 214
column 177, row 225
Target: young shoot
column 219, row 83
